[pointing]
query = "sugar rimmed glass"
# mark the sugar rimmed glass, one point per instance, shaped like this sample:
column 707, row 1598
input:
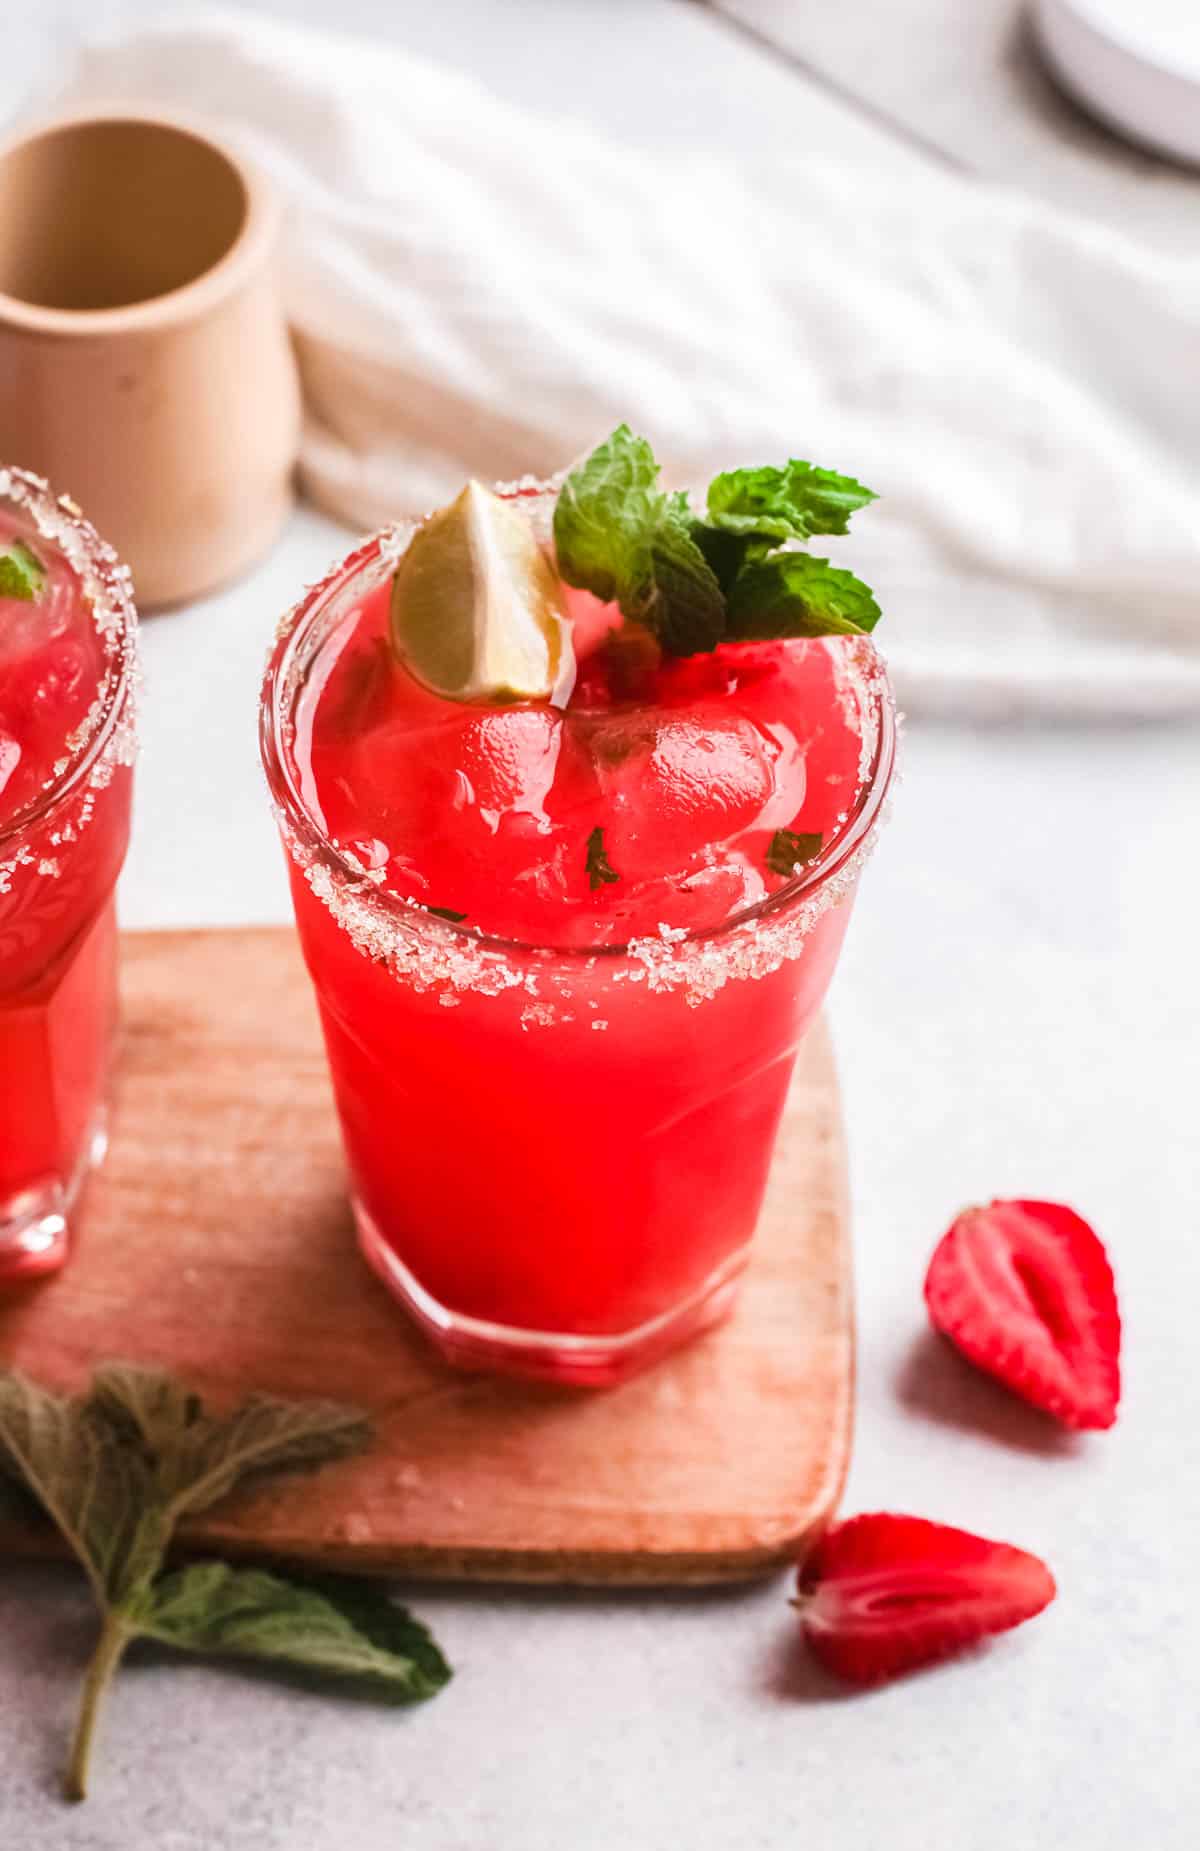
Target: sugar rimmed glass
column 556, row 1156
column 61, row 850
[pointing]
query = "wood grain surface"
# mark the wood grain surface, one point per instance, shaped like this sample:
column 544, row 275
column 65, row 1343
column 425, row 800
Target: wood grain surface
column 217, row 1241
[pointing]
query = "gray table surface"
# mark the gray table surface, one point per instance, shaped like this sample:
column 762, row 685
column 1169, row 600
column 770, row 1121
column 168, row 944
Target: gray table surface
column 1017, row 1012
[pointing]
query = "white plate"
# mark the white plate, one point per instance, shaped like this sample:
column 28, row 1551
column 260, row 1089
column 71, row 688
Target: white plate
column 1135, row 63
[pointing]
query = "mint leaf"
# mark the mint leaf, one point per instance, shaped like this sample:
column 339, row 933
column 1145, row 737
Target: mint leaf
column 606, row 509
column 93, row 1489
column 727, row 553
column 791, row 503
column 22, row 574
column 344, row 1629
column 788, row 851
column 197, row 1458
column 18, row 1504
column 793, row 594
column 116, row 1469
column 620, row 536
column 675, row 592
column 599, row 870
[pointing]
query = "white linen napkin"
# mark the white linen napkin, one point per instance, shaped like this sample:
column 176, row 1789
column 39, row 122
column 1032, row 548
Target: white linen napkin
column 475, row 289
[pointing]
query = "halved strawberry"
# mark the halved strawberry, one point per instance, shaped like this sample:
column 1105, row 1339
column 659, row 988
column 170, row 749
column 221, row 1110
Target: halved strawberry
column 882, row 1594
column 1025, row 1290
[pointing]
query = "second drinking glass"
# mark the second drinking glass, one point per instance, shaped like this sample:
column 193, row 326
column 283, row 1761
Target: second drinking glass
column 68, row 672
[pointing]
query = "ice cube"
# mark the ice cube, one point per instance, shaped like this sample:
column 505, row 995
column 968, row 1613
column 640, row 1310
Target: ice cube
column 676, row 784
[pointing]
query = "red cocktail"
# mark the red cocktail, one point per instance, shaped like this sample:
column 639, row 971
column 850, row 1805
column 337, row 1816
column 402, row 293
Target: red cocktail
column 564, row 952
column 67, row 673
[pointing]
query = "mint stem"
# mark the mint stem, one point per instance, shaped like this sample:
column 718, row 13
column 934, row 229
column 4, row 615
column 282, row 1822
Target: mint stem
column 114, row 1637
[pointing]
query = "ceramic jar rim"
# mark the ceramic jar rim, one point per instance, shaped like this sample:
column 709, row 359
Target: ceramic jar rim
column 250, row 247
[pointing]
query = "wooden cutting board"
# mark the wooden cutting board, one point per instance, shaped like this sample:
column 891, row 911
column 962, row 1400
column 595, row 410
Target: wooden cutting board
column 216, row 1241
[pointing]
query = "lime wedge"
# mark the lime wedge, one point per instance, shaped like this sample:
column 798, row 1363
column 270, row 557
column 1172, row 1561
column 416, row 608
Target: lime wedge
column 476, row 609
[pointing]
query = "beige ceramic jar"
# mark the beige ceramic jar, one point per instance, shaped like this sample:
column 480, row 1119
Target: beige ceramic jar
column 145, row 365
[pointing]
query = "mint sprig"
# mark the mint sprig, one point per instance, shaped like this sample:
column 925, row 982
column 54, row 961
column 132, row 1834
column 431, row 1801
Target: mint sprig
column 118, row 1468
column 22, row 574
column 696, row 580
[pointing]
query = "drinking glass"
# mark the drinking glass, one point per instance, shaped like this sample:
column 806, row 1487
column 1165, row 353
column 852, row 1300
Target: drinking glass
column 68, row 674
column 556, row 1156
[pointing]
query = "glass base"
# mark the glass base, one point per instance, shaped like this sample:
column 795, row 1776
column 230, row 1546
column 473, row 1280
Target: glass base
column 589, row 1361
column 35, row 1232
